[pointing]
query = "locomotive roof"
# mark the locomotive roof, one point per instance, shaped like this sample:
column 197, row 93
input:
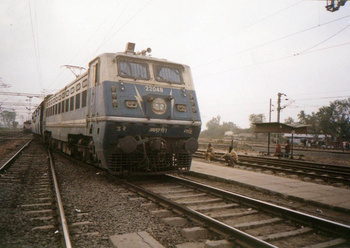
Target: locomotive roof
column 113, row 55
column 139, row 56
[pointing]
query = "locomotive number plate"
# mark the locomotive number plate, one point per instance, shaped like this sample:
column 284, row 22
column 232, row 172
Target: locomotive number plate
column 154, row 89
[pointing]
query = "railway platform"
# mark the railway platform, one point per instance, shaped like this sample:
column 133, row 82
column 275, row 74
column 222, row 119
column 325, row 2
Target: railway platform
column 323, row 195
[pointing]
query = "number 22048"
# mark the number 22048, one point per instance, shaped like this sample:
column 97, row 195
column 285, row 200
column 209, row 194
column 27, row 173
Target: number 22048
column 154, row 89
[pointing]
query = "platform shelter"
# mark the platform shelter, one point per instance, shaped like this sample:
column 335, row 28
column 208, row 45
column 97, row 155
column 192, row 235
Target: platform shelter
column 277, row 127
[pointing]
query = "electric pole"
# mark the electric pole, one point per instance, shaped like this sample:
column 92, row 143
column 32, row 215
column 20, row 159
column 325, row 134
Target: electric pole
column 279, row 105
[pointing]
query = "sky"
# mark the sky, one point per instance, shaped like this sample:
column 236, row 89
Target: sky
column 242, row 53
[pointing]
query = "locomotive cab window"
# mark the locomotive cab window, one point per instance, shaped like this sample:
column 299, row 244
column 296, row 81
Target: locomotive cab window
column 168, row 73
column 133, row 69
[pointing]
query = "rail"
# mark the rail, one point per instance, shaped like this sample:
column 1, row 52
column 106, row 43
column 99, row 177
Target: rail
column 230, row 232
column 320, row 223
column 8, row 162
column 63, row 219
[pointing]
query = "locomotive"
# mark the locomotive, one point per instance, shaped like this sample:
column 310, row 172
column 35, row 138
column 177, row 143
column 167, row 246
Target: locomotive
column 129, row 113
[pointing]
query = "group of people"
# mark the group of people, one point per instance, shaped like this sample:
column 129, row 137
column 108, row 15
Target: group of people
column 279, row 153
column 231, row 156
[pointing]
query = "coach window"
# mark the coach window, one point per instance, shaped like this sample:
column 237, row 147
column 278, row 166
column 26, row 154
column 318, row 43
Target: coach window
column 71, row 103
column 67, row 104
column 77, row 101
column 83, row 98
column 56, row 109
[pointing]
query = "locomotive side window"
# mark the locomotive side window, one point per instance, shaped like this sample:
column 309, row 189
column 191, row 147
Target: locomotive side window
column 97, row 73
column 62, row 103
column 71, row 103
column 83, row 98
column 85, row 83
column 59, row 108
column 133, row 69
column 77, row 101
column 67, row 104
column 168, row 74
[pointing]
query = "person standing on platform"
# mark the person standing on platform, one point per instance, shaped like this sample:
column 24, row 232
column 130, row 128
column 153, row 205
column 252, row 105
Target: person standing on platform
column 231, row 156
column 287, row 149
column 278, row 151
column 209, row 154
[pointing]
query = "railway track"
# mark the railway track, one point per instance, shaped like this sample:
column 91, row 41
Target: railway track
column 263, row 147
column 31, row 200
column 321, row 173
column 97, row 206
column 237, row 219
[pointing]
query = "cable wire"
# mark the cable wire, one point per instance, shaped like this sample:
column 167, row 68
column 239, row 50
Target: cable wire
column 272, row 41
column 324, row 40
column 36, row 46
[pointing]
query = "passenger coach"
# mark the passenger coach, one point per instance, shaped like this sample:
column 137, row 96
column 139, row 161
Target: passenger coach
column 130, row 112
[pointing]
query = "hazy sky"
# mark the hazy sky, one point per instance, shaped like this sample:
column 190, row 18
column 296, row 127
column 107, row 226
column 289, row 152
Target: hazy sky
column 242, row 53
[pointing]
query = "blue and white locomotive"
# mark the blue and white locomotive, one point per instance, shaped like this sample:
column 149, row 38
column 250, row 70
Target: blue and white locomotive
column 130, row 113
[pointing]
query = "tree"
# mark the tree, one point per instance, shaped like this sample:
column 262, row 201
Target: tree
column 302, row 117
column 256, row 118
column 8, row 118
column 289, row 120
column 335, row 119
column 216, row 130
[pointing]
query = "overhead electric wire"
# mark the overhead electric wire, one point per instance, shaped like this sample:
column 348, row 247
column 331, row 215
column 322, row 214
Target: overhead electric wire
column 324, row 40
column 118, row 30
column 325, row 97
column 249, row 26
column 83, row 47
column 274, row 60
column 272, row 41
column 95, row 32
column 36, row 46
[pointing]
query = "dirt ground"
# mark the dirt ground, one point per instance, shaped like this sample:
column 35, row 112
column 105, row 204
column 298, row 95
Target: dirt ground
column 9, row 146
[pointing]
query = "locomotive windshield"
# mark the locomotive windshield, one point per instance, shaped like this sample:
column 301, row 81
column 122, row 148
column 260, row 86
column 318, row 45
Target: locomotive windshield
column 168, row 74
column 133, row 69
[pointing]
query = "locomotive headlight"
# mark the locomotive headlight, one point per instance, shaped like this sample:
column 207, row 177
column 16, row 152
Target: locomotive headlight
column 158, row 106
column 181, row 107
column 131, row 104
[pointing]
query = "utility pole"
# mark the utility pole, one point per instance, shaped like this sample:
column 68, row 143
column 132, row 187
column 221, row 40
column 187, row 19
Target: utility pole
column 278, row 113
column 279, row 105
column 269, row 137
column 30, row 106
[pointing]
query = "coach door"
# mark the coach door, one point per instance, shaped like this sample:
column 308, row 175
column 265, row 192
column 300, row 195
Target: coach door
column 94, row 77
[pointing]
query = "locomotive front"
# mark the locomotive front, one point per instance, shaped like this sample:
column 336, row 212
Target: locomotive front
column 150, row 121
